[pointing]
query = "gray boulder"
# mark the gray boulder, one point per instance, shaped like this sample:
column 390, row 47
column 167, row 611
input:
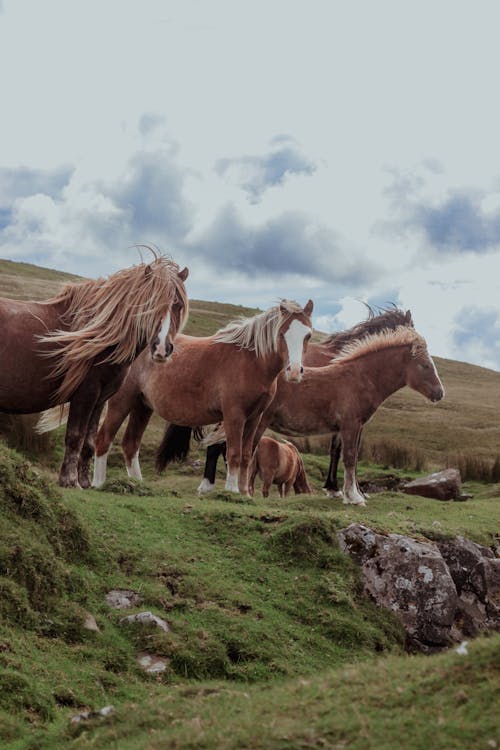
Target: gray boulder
column 408, row 577
column 442, row 485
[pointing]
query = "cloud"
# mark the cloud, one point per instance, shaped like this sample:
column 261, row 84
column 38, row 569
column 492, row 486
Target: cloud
column 288, row 244
column 19, row 182
column 476, row 335
column 255, row 174
column 462, row 220
column 60, row 218
column 150, row 197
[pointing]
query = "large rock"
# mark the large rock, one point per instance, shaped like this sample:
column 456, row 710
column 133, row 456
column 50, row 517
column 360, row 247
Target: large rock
column 442, row 485
column 476, row 574
column 441, row 592
column 410, row 578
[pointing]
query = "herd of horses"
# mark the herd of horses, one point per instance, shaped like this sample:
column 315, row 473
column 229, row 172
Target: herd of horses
column 119, row 341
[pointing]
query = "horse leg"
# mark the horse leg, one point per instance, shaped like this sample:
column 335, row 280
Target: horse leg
column 286, row 487
column 81, row 407
column 350, row 442
column 118, row 408
column 137, row 423
column 331, row 486
column 208, row 482
column 88, row 446
column 234, row 437
column 247, row 450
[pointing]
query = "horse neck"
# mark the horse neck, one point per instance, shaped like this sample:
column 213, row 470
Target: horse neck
column 385, row 369
column 273, row 363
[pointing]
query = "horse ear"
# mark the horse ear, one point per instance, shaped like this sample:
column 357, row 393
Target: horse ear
column 408, row 320
column 309, row 308
column 183, row 274
column 147, row 271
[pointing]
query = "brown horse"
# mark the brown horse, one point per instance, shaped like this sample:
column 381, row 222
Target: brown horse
column 317, row 355
column 278, row 463
column 78, row 346
column 343, row 396
column 230, row 375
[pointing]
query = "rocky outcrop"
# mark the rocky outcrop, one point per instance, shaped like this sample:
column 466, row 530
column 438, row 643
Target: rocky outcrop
column 440, row 592
column 476, row 574
column 442, row 485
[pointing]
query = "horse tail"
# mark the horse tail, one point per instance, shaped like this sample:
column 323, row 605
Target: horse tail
column 301, row 484
column 174, row 446
column 213, row 436
column 51, row 419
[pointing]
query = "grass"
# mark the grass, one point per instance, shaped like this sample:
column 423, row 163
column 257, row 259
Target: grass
column 254, row 593
column 271, row 643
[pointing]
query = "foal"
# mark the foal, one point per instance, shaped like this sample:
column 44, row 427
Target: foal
column 230, row 375
column 278, row 463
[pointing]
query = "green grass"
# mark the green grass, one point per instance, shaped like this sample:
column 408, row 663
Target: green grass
column 271, row 643
column 255, row 593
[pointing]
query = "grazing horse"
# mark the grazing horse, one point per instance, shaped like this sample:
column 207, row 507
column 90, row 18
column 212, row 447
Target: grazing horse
column 278, row 463
column 78, row 346
column 344, row 395
column 317, row 355
column 230, row 375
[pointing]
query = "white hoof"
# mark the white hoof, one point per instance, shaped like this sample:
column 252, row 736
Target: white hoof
column 205, row 486
column 347, row 501
column 332, row 493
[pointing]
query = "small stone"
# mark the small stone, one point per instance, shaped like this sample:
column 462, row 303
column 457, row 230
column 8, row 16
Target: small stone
column 462, row 649
column 146, row 618
column 86, row 715
column 90, row 623
column 123, row 599
column 152, row 663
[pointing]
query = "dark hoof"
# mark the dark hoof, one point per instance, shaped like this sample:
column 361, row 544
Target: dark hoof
column 68, row 482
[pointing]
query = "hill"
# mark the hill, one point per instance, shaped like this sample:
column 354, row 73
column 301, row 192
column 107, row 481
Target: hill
column 465, row 422
column 270, row 641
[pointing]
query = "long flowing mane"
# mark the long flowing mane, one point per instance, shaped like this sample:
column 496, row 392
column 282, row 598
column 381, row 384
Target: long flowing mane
column 121, row 313
column 260, row 333
column 385, row 318
column 385, row 339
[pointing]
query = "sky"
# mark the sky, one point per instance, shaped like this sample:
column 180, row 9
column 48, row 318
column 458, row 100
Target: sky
column 345, row 151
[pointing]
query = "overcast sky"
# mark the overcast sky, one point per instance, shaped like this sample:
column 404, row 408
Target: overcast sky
column 342, row 150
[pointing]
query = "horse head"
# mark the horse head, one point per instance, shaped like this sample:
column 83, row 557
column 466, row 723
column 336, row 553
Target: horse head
column 422, row 375
column 293, row 336
column 172, row 322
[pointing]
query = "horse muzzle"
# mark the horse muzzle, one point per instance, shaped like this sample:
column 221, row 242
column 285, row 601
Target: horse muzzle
column 293, row 373
column 437, row 395
column 162, row 353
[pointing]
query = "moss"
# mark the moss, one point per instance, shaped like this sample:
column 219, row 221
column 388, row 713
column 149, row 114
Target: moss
column 127, row 487
column 310, row 541
column 18, row 693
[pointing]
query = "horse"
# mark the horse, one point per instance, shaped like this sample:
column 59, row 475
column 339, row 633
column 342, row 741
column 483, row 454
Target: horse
column 278, row 463
column 317, row 355
column 78, row 346
column 230, row 375
column 344, row 395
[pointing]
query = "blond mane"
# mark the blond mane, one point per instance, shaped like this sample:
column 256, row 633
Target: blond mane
column 388, row 338
column 122, row 313
column 260, row 333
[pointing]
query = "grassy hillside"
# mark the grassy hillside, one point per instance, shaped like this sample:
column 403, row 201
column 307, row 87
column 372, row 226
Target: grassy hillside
column 465, row 422
column 270, row 643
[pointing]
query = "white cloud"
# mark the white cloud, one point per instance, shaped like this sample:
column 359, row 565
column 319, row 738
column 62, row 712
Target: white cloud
column 140, row 100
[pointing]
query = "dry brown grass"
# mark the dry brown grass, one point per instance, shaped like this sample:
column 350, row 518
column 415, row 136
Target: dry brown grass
column 406, row 427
